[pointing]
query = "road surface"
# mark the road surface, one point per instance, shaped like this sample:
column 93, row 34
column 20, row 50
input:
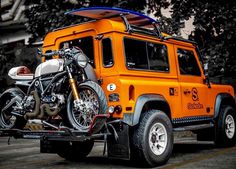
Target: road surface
column 188, row 153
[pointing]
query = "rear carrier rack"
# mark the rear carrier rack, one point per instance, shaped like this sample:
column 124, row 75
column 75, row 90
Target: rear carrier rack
column 61, row 133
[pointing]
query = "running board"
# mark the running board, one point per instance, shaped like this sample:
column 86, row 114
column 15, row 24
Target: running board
column 193, row 127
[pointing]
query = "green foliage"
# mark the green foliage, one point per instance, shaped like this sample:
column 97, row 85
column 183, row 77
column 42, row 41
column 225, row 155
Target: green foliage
column 18, row 56
column 214, row 32
column 46, row 15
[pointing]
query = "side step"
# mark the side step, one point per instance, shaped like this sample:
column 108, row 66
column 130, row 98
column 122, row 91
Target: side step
column 193, row 127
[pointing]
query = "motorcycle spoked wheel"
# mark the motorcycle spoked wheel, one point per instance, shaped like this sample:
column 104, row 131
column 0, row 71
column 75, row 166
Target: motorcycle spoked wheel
column 7, row 119
column 93, row 103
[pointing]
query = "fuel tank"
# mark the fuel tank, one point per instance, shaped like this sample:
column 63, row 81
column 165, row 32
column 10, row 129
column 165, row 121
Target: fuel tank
column 50, row 66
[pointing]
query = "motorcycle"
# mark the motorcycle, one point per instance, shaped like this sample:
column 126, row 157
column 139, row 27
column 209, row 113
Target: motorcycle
column 62, row 91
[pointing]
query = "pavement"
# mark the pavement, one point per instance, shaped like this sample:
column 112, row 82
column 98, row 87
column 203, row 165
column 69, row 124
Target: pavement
column 187, row 154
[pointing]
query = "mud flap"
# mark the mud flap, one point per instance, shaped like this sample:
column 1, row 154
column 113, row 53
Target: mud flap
column 119, row 148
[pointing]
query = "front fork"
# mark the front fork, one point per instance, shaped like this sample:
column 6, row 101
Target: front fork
column 73, row 85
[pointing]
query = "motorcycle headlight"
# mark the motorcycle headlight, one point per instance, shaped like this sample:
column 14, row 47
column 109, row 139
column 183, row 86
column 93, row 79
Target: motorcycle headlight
column 81, row 60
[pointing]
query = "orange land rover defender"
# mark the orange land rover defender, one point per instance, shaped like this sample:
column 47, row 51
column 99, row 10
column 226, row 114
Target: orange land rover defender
column 155, row 84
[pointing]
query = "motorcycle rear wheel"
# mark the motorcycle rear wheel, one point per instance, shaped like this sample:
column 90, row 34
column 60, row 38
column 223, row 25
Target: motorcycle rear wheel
column 7, row 119
column 93, row 103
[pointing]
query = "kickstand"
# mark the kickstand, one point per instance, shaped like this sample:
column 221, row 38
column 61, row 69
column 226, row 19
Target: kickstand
column 105, row 145
column 9, row 141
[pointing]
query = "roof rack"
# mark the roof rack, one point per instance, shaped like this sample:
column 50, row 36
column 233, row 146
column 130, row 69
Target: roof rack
column 134, row 21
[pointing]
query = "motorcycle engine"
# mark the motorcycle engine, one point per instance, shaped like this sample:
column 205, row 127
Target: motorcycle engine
column 54, row 99
column 29, row 103
column 48, row 105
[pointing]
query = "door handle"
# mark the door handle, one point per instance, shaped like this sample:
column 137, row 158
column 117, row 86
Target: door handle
column 187, row 91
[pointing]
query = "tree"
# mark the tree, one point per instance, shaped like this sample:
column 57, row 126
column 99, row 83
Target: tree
column 44, row 16
column 214, row 32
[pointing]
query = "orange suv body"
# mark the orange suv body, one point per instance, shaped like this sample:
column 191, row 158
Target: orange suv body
column 154, row 84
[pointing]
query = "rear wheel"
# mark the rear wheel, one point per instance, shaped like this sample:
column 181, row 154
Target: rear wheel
column 226, row 127
column 92, row 102
column 152, row 140
column 8, row 100
column 74, row 151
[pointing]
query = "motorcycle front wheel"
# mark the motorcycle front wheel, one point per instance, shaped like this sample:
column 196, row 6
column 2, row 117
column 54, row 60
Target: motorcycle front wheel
column 92, row 102
column 8, row 100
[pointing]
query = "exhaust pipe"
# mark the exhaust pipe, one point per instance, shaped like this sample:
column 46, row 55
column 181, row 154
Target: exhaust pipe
column 36, row 108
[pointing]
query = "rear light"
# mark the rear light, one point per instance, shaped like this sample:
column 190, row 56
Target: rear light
column 116, row 109
column 114, row 97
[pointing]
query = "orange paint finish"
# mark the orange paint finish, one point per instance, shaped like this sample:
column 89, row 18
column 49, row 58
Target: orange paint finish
column 186, row 95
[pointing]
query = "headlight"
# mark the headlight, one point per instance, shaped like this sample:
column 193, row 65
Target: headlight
column 81, row 60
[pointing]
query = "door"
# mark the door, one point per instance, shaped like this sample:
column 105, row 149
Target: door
column 192, row 86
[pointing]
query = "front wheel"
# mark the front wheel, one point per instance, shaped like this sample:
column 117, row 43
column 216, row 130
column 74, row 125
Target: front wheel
column 226, row 127
column 152, row 139
column 92, row 102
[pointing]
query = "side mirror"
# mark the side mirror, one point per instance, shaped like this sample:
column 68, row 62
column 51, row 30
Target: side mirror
column 207, row 74
column 206, row 68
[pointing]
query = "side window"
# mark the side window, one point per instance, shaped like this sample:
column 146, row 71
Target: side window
column 188, row 63
column 158, row 57
column 107, row 53
column 85, row 43
column 146, row 55
column 136, row 54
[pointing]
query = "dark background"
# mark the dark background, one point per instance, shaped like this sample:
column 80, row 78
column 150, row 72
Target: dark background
column 24, row 24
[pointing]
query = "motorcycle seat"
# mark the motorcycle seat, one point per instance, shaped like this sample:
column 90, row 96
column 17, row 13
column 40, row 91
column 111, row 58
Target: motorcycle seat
column 20, row 73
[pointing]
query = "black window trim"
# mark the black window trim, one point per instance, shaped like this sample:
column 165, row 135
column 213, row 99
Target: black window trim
column 146, row 70
column 195, row 59
column 109, row 66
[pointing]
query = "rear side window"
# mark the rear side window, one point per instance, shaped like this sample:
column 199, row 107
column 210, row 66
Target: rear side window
column 146, row 55
column 187, row 63
column 85, row 43
column 107, row 53
column 158, row 58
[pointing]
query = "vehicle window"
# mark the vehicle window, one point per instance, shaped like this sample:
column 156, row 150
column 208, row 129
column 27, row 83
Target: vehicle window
column 146, row 55
column 85, row 43
column 188, row 63
column 158, row 58
column 107, row 53
column 136, row 54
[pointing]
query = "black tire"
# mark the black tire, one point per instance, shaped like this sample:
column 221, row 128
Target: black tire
column 225, row 136
column 100, row 100
column 143, row 138
column 7, row 120
column 74, row 151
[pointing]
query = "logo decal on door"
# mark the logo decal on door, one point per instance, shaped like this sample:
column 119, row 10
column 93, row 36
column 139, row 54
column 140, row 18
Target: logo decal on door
column 194, row 94
column 195, row 105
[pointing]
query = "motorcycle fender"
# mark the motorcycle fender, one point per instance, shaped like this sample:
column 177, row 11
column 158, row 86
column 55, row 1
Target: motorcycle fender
column 90, row 73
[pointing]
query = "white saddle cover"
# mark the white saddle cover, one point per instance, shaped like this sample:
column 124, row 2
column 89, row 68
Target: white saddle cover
column 20, row 73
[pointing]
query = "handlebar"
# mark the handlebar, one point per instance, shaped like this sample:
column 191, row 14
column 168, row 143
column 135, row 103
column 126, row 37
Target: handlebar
column 62, row 53
column 50, row 54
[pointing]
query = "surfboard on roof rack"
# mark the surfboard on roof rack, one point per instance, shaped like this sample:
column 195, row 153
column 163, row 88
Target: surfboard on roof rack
column 133, row 18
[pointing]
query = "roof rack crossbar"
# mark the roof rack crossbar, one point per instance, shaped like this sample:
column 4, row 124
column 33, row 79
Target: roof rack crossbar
column 130, row 29
column 126, row 22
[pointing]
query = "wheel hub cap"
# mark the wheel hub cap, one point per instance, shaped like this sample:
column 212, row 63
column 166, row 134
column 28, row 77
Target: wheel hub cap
column 158, row 138
column 229, row 126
